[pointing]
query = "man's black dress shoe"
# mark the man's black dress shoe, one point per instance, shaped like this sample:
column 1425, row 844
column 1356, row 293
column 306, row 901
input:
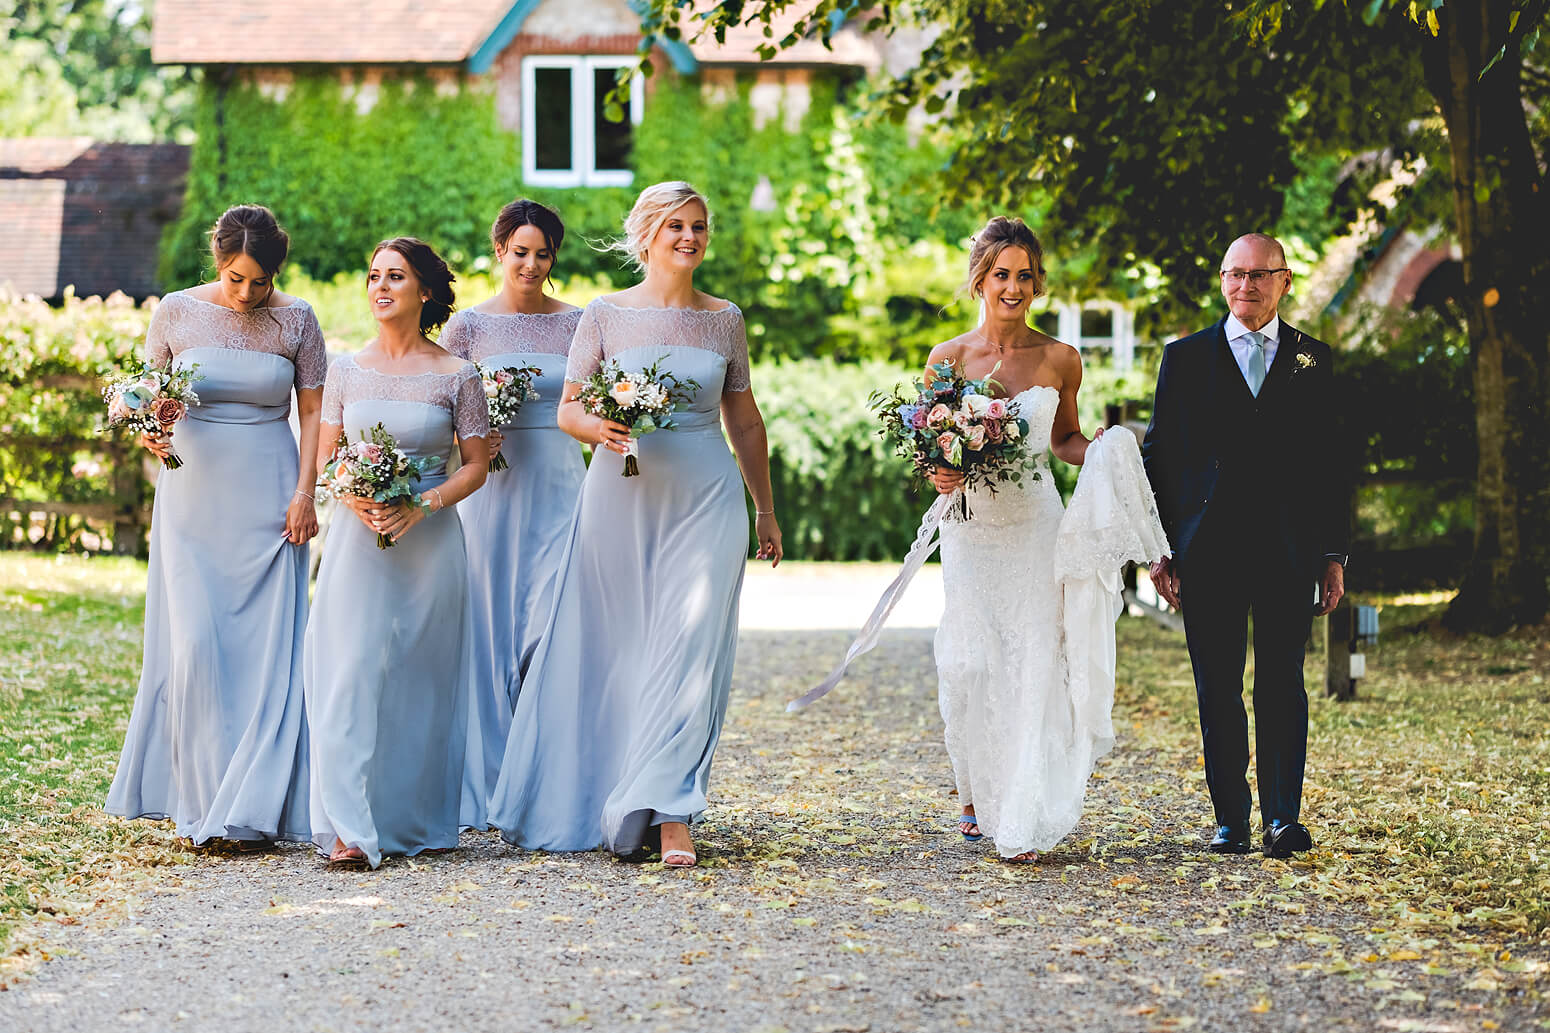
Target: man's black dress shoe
column 1283, row 839
column 1229, row 840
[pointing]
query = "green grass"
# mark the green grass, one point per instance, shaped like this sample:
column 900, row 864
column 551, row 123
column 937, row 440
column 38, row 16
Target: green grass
column 1428, row 794
column 69, row 661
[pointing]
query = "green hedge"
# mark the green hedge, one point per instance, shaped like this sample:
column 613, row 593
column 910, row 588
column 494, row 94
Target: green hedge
column 50, row 412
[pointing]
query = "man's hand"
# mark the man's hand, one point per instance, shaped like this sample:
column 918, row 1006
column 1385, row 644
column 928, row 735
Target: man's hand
column 1333, row 588
column 1166, row 580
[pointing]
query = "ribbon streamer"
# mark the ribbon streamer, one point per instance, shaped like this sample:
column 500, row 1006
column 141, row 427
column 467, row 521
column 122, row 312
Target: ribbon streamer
column 926, row 542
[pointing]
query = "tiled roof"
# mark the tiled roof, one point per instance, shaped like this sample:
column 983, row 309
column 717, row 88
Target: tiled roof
column 321, row 31
column 415, row 32
column 75, row 212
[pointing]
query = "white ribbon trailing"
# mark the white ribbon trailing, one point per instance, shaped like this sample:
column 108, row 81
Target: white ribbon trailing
column 926, row 541
column 1112, row 519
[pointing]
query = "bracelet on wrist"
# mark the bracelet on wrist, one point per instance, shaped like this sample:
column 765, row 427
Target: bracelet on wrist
column 439, row 504
column 760, row 512
column 303, row 494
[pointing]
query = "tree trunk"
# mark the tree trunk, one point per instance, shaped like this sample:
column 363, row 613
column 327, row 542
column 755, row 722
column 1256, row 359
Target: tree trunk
column 1500, row 209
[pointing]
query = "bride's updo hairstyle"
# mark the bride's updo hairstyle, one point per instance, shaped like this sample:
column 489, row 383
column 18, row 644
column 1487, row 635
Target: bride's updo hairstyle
column 249, row 229
column 999, row 234
column 651, row 210
column 432, row 273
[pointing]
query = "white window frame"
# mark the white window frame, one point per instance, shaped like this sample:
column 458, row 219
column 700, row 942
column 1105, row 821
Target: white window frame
column 583, row 144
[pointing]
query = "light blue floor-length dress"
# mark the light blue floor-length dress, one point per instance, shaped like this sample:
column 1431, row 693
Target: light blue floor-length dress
column 217, row 738
column 515, row 527
column 389, row 657
column 622, row 705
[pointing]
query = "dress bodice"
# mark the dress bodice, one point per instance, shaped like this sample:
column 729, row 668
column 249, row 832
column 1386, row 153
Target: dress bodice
column 497, row 339
column 248, row 361
column 709, row 346
column 1017, row 503
column 426, row 413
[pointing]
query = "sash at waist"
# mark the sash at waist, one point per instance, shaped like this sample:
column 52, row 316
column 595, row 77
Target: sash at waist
column 239, row 412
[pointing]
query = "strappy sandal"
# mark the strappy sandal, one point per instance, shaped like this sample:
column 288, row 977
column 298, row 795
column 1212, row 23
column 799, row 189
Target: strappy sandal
column 693, row 860
column 344, row 860
column 969, row 819
column 1029, row 857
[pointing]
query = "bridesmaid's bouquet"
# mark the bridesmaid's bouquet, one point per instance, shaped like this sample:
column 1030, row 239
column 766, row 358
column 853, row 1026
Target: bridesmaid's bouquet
column 956, row 423
column 644, row 401
column 151, row 398
column 372, row 468
column 505, row 389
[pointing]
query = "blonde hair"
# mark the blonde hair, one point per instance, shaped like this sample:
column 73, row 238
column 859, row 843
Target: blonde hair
column 999, row 234
column 650, row 211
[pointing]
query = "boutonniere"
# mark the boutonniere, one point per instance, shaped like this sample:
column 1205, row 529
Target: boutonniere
column 1304, row 361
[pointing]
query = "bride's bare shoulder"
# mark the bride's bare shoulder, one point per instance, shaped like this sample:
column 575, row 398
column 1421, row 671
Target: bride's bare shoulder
column 954, row 350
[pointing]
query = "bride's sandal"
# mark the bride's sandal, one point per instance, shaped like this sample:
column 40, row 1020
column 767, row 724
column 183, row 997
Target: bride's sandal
column 967, row 822
column 1031, row 857
column 671, row 858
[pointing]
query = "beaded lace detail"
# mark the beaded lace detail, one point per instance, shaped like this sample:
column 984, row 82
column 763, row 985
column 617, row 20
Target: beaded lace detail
column 182, row 321
column 475, row 336
column 607, row 329
column 461, row 393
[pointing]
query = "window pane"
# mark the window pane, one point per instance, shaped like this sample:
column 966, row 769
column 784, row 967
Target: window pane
column 551, row 102
column 1097, row 322
column 613, row 138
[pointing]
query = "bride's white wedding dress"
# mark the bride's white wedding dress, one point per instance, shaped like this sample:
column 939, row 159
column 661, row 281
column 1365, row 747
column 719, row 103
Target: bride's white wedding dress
column 1025, row 648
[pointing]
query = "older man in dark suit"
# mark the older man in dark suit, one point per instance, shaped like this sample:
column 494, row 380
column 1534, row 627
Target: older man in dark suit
column 1237, row 453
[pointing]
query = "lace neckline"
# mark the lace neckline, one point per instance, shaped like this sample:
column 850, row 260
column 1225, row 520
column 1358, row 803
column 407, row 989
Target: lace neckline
column 730, row 307
column 1035, row 387
column 522, row 315
column 401, row 376
column 297, row 303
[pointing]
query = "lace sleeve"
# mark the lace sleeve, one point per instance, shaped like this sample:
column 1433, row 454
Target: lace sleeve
column 311, row 359
column 456, row 337
column 470, row 409
column 586, row 348
column 737, row 378
column 158, row 336
column 333, row 393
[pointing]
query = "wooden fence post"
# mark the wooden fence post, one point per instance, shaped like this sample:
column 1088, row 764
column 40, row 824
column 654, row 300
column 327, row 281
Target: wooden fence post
column 1339, row 643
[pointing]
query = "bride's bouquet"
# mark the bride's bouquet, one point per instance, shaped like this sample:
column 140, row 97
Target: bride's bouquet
column 644, row 401
column 505, row 389
column 956, row 423
column 373, row 468
column 151, row 398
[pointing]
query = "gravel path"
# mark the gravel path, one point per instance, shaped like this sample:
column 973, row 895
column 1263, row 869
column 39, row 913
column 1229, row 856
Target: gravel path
column 833, row 895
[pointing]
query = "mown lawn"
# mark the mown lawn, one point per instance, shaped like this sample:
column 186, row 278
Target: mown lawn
column 69, row 661
column 1429, row 795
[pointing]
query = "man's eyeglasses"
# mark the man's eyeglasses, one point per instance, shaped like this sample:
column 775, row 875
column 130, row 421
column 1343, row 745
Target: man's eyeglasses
column 1254, row 276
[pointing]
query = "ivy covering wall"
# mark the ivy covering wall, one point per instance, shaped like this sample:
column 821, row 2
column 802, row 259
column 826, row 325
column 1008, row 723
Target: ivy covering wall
column 848, row 261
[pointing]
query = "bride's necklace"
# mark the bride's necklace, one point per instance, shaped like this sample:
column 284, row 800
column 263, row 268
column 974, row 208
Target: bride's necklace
column 1001, row 346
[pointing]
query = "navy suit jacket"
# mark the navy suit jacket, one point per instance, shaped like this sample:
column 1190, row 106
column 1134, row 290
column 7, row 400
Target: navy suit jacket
column 1272, row 456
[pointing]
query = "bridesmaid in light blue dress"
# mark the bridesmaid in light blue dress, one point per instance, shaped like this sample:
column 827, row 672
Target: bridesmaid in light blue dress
column 622, row 705
column 389, row 656
column 217, row 739
column 516, row 527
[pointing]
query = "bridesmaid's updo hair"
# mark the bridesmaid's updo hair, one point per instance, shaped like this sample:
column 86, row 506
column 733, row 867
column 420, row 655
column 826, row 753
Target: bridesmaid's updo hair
column 433, row 274
column 523, row 212
column 249, row 229
column 999, row 234
column 650, row 211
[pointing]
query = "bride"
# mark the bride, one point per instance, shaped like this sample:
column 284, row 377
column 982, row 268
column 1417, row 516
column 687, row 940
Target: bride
column 1020, row 753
